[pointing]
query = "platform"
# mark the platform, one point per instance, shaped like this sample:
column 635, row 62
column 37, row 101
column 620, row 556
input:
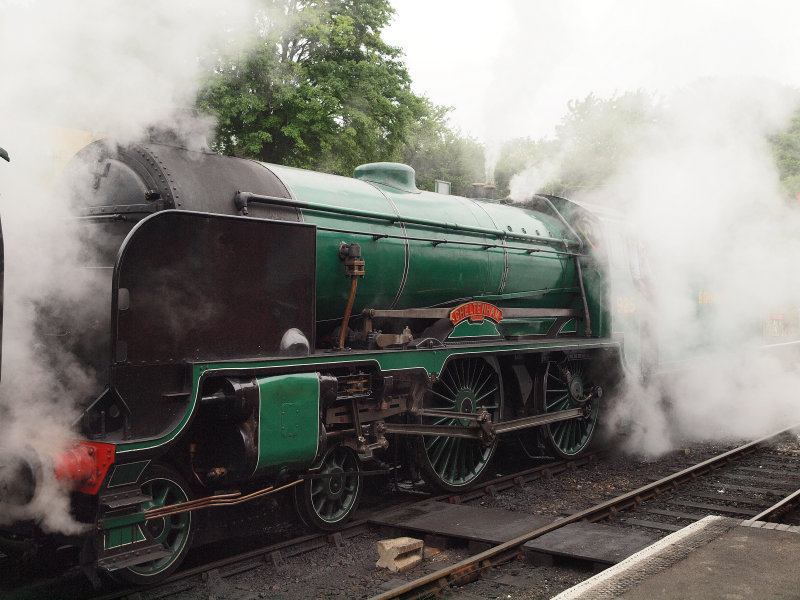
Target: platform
column 717, row 557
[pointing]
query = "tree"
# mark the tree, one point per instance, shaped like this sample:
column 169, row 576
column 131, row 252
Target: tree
column 786, row 148
column 597, row 135
column 436, row 151
column 515, row 156
column 321, row 90
column 591, row 141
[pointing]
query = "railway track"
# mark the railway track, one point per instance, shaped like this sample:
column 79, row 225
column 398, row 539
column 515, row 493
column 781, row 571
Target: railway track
column 72, row 583
column 746, row 475
column 628, row 509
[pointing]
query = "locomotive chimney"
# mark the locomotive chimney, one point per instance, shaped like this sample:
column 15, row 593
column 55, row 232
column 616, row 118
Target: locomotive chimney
column 478, row 190
column 185, row 129
column 483, row 190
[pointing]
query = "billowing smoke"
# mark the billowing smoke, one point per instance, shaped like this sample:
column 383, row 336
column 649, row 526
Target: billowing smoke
column 705, row 198
column 74, row 71
column 717, row 240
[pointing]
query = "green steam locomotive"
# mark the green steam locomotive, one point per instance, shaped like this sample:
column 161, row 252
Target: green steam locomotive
column 255, row 328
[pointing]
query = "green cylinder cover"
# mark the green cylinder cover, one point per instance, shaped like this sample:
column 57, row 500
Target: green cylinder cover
column 288, row 430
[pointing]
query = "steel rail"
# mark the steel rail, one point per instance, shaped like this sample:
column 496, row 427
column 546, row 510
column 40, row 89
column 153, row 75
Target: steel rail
column 778, row 508
column 351, row 529
column 471, row 568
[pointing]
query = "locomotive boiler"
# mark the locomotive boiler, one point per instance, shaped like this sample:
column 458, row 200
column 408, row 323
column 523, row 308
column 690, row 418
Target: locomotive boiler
column 255, row 327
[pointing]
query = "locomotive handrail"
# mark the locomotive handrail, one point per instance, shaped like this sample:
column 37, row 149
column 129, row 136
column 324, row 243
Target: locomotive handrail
column 561, row 218
column 242, row 199
column 438, row 242
column 587, row 317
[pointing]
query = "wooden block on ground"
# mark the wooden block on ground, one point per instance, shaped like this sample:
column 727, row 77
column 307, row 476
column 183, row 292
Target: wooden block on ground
column 399, row 554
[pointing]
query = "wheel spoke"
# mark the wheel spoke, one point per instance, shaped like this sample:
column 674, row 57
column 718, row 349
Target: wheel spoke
column 444, row 471
column 162, row 497
column 440, row 444
column 491, row 391
column 462, row 469
column 449, row 391
column 451, row 402
column 558, row 402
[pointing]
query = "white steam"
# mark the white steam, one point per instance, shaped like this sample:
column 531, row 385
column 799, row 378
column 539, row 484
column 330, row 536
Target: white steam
column 704, row 195
column 701, row 192
column 73, row 71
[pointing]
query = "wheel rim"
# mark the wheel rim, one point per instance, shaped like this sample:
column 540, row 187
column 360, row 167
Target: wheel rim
column 566, row 387
column 465, row 386
column 334, row 496
column 172, row 531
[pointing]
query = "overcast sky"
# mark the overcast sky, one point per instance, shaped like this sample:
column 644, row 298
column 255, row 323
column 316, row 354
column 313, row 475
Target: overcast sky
column 508, row 67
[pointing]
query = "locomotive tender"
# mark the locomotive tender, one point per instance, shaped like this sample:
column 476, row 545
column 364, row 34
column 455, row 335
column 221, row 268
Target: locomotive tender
column 263, row 327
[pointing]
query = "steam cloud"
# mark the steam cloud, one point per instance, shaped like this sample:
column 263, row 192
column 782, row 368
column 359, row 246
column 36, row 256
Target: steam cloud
column 701, row 194
column 73, row 71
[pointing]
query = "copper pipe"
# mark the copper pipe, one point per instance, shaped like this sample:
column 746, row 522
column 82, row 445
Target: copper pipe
column 347, row 311
column 214, row 501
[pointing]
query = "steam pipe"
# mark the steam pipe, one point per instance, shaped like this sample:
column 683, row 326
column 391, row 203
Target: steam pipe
column 347, row 312
column 566, row 224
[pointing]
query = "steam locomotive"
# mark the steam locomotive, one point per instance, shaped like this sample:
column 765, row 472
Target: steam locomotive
column 255, row 327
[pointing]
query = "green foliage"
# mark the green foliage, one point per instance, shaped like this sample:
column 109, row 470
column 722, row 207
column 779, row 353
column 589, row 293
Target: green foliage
column 515, row 156
column 321, row 90
column 786, row 148
column 435, row 151
column 597, row 135
column 591, row 141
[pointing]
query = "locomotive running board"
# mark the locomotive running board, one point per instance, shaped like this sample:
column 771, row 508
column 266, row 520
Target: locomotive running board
column 443, row 313
column 476, row 431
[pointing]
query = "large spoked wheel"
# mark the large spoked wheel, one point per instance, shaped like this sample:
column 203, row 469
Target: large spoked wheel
column 175, row 532
column 565, row 385
column 466, row 385
column 328, row 501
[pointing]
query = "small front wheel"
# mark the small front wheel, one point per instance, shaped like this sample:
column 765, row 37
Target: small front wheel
column 165, row 487
column 328, row 499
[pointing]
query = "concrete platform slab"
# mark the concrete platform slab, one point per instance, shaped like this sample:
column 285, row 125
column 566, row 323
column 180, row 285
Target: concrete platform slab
column 488, row 525
column 592, row 542
column 716, row 557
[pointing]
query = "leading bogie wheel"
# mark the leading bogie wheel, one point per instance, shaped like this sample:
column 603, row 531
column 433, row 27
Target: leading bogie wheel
column 328, row 499
column 567, row 385
column 165, row 487
column 465, row 385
